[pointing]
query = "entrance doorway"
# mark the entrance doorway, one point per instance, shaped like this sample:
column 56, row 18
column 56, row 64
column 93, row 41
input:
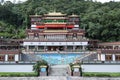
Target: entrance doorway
column 55, row 48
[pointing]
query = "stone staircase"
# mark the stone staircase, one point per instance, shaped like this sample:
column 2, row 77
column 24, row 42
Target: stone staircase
column 58, row 70
column 88, row 56
column 30, row 57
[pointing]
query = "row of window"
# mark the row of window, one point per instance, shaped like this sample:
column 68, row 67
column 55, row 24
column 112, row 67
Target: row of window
column 10, row 57
column 37, row 35
column 110, row 58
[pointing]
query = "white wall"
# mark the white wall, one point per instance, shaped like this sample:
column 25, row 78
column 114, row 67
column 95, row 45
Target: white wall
column 85, row 67
column 6, row 57
column 16, row 57
column 101, row 68
column 102, row 57
column 16, row 68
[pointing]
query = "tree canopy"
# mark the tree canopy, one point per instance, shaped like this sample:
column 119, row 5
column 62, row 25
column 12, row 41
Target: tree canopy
column 100, row 20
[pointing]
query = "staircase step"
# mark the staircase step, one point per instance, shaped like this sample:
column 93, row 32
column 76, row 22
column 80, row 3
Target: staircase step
column 58, row 70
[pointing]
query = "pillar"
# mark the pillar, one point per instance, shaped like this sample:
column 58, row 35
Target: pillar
column 102, row 57
column 27, row 48
column 16, row 57
column 99, row 58
column 113, row 46
column 36, row 48
column 113, row 57
column 6, row 57
column 65, row 48
column 74, row 48
column 83, row 48
column 45, row 48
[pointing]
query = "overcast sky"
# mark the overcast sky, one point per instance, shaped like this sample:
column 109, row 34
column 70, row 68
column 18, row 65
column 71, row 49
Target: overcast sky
column 94, row 0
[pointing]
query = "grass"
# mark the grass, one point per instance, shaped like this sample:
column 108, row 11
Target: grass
column 18, row 74
column 100, row 74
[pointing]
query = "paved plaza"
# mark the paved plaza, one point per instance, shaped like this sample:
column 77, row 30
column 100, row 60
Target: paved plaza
column 57, row 78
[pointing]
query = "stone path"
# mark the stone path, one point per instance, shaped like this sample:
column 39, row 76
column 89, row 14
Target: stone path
column 57, row 78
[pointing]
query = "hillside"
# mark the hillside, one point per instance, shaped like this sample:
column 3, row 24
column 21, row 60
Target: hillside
column 101, row 21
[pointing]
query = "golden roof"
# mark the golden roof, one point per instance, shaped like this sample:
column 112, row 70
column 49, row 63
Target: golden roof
column 55, row 31
column 55, row 23
column 55, row 14
column 73, row 15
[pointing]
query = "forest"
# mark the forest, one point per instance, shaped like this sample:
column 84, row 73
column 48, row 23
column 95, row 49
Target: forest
column 100, row 20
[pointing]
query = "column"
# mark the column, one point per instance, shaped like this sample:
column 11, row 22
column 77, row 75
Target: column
column 102, row 57
column 27, row 47
column 16, row 57
column 6, row 57
column 45, row 49
column 83, row 47
column 36, row 48
column 99, row 58
column 65, row 48
column 74, row 48
column 113, row 46
column 113, row 57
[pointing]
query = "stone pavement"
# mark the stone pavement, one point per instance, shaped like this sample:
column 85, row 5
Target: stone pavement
column 58, row 78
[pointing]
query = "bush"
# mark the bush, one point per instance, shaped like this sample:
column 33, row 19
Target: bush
column 100, row 74
column 17, row 74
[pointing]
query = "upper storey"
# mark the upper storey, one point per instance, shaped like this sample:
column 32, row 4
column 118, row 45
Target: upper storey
column 54, row 20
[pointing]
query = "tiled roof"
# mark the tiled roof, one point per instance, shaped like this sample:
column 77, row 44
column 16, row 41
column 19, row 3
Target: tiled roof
column 9, row 51
column 110, row 43
column 107, row 51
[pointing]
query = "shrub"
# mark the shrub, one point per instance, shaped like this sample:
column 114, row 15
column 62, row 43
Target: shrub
column 17, row 74
column 100, row 74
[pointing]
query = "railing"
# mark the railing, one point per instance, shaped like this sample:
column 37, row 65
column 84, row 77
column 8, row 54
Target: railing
column 101, row 62
column 61, row 52
column 82, row 51
column 56, row 40
column 17, row 62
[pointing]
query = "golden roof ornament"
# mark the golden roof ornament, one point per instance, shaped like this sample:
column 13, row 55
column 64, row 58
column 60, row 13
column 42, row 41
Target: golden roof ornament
column 54, row 13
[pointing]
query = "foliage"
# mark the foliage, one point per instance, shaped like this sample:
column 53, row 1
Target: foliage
column 17, row 74
column 100, row 74
column 36, row 67
column 71, row 65
column 100, row 20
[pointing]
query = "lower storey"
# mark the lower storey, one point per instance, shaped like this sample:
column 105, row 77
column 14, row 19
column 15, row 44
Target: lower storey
column 55, row 48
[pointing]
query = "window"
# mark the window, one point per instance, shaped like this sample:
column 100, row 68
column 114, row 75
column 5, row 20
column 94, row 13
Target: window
column 2, row 58
column 11, row 57
column 117, row 57
column 108, row 57
column 36, row 35
column 74, row 36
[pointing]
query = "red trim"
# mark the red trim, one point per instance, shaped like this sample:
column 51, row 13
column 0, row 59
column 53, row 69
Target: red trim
column 40, row 26
column 70, row 26
column 55, row 26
